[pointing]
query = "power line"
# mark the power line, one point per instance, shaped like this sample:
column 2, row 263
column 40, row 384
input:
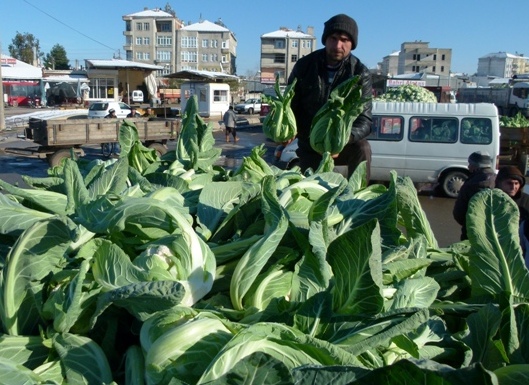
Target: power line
column 66, row 25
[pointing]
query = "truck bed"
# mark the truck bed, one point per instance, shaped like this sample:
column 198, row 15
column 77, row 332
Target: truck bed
column 79, row 132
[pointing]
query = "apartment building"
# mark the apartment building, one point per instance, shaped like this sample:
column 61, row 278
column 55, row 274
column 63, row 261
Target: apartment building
column 206, row 46
column 417, row 57
column 281, row 49
column 150, row 37
column 502, row 65
column 154, row 36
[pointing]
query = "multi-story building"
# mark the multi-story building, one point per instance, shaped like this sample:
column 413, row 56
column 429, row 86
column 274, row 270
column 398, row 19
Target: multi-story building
column 150, row 37
column 281, row 49
column 502, row 65
column 206, row 46
column 390, row 64
column 154, row 36
column 417, row 57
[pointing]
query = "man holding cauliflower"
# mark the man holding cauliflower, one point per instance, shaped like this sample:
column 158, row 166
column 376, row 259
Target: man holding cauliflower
column 337, row 122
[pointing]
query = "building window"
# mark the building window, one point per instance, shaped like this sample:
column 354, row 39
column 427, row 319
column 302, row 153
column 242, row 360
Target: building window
column 139, row 26
column 188, row 57
column 164, row 40
column 294, row 58
column 214, row 43
column 128, row 28
column 204, row 57
column 146, row 56
column 434, row 57
column 146, row 26
column 163, row 56
column 214, row 57
column 306, row 44
column 220, row 95
column 279, row 58
column 101, row 88
column 139, row 55
column 443, row 57
column 224, row 58
column 433, row 69
column 205, row 43
column 442, row 68
column 138, row 40
column 279, row 44
column 164, row 27
column 189, row 42
column 295, row 43
column 128, row 40
column 226, row 44
column 146, row 41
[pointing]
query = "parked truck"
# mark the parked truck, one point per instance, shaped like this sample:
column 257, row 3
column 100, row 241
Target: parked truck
column 509, row 100
column 57, row 138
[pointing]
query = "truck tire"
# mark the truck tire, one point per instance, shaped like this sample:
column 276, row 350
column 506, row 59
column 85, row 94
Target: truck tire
column 159, row 148
column 57, row 157
column 452, row 181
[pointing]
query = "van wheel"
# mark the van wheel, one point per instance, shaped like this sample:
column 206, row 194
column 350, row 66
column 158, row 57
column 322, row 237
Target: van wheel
column 452, row 182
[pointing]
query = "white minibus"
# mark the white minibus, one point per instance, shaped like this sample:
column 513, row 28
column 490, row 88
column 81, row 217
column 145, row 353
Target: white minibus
column 429, row 142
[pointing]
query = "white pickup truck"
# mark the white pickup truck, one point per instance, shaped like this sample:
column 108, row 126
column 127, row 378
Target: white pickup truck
column 250, row 106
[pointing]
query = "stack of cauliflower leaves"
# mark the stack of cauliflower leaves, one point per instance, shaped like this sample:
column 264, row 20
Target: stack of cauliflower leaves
column 173, row 270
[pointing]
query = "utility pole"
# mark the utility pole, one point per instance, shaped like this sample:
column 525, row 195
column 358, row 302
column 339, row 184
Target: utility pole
column 2, row 111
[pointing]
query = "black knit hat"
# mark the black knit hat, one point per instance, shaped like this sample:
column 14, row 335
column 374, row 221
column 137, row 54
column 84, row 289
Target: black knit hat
column 480, row 159
column 341, row 23
column 510, row 172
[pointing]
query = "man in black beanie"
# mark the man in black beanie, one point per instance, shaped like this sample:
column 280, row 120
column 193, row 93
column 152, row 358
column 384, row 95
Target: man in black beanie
column 317, row 75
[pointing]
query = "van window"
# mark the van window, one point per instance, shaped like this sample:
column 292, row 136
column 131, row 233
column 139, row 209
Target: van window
column 387, row 128
column 476, row 130
column 434, row 130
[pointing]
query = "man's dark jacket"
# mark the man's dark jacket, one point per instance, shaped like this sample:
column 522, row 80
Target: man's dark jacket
column 312, row 91
column 480, row 179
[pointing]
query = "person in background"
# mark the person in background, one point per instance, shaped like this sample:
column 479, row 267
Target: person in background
column 230, row 122
column 111, row 114
column 511, row 181
column 317, row 74
column 482, row 176
column 133, row 113
column 149, row 113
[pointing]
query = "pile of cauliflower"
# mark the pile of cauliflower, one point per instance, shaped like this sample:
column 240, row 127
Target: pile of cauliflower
column 407, row 93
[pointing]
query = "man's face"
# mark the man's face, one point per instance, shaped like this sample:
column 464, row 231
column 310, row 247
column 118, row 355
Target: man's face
column 510, row 186
column 338, row 46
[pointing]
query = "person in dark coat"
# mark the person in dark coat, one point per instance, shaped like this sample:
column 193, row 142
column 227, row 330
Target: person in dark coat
column 482, row 176
column 511, row 181
column 317, row 74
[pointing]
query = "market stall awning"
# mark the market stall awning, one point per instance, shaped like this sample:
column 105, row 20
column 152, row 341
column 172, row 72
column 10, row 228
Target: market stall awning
column 66, row 79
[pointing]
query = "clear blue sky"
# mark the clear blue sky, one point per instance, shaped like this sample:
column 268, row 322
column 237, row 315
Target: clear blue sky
column 471, row 28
